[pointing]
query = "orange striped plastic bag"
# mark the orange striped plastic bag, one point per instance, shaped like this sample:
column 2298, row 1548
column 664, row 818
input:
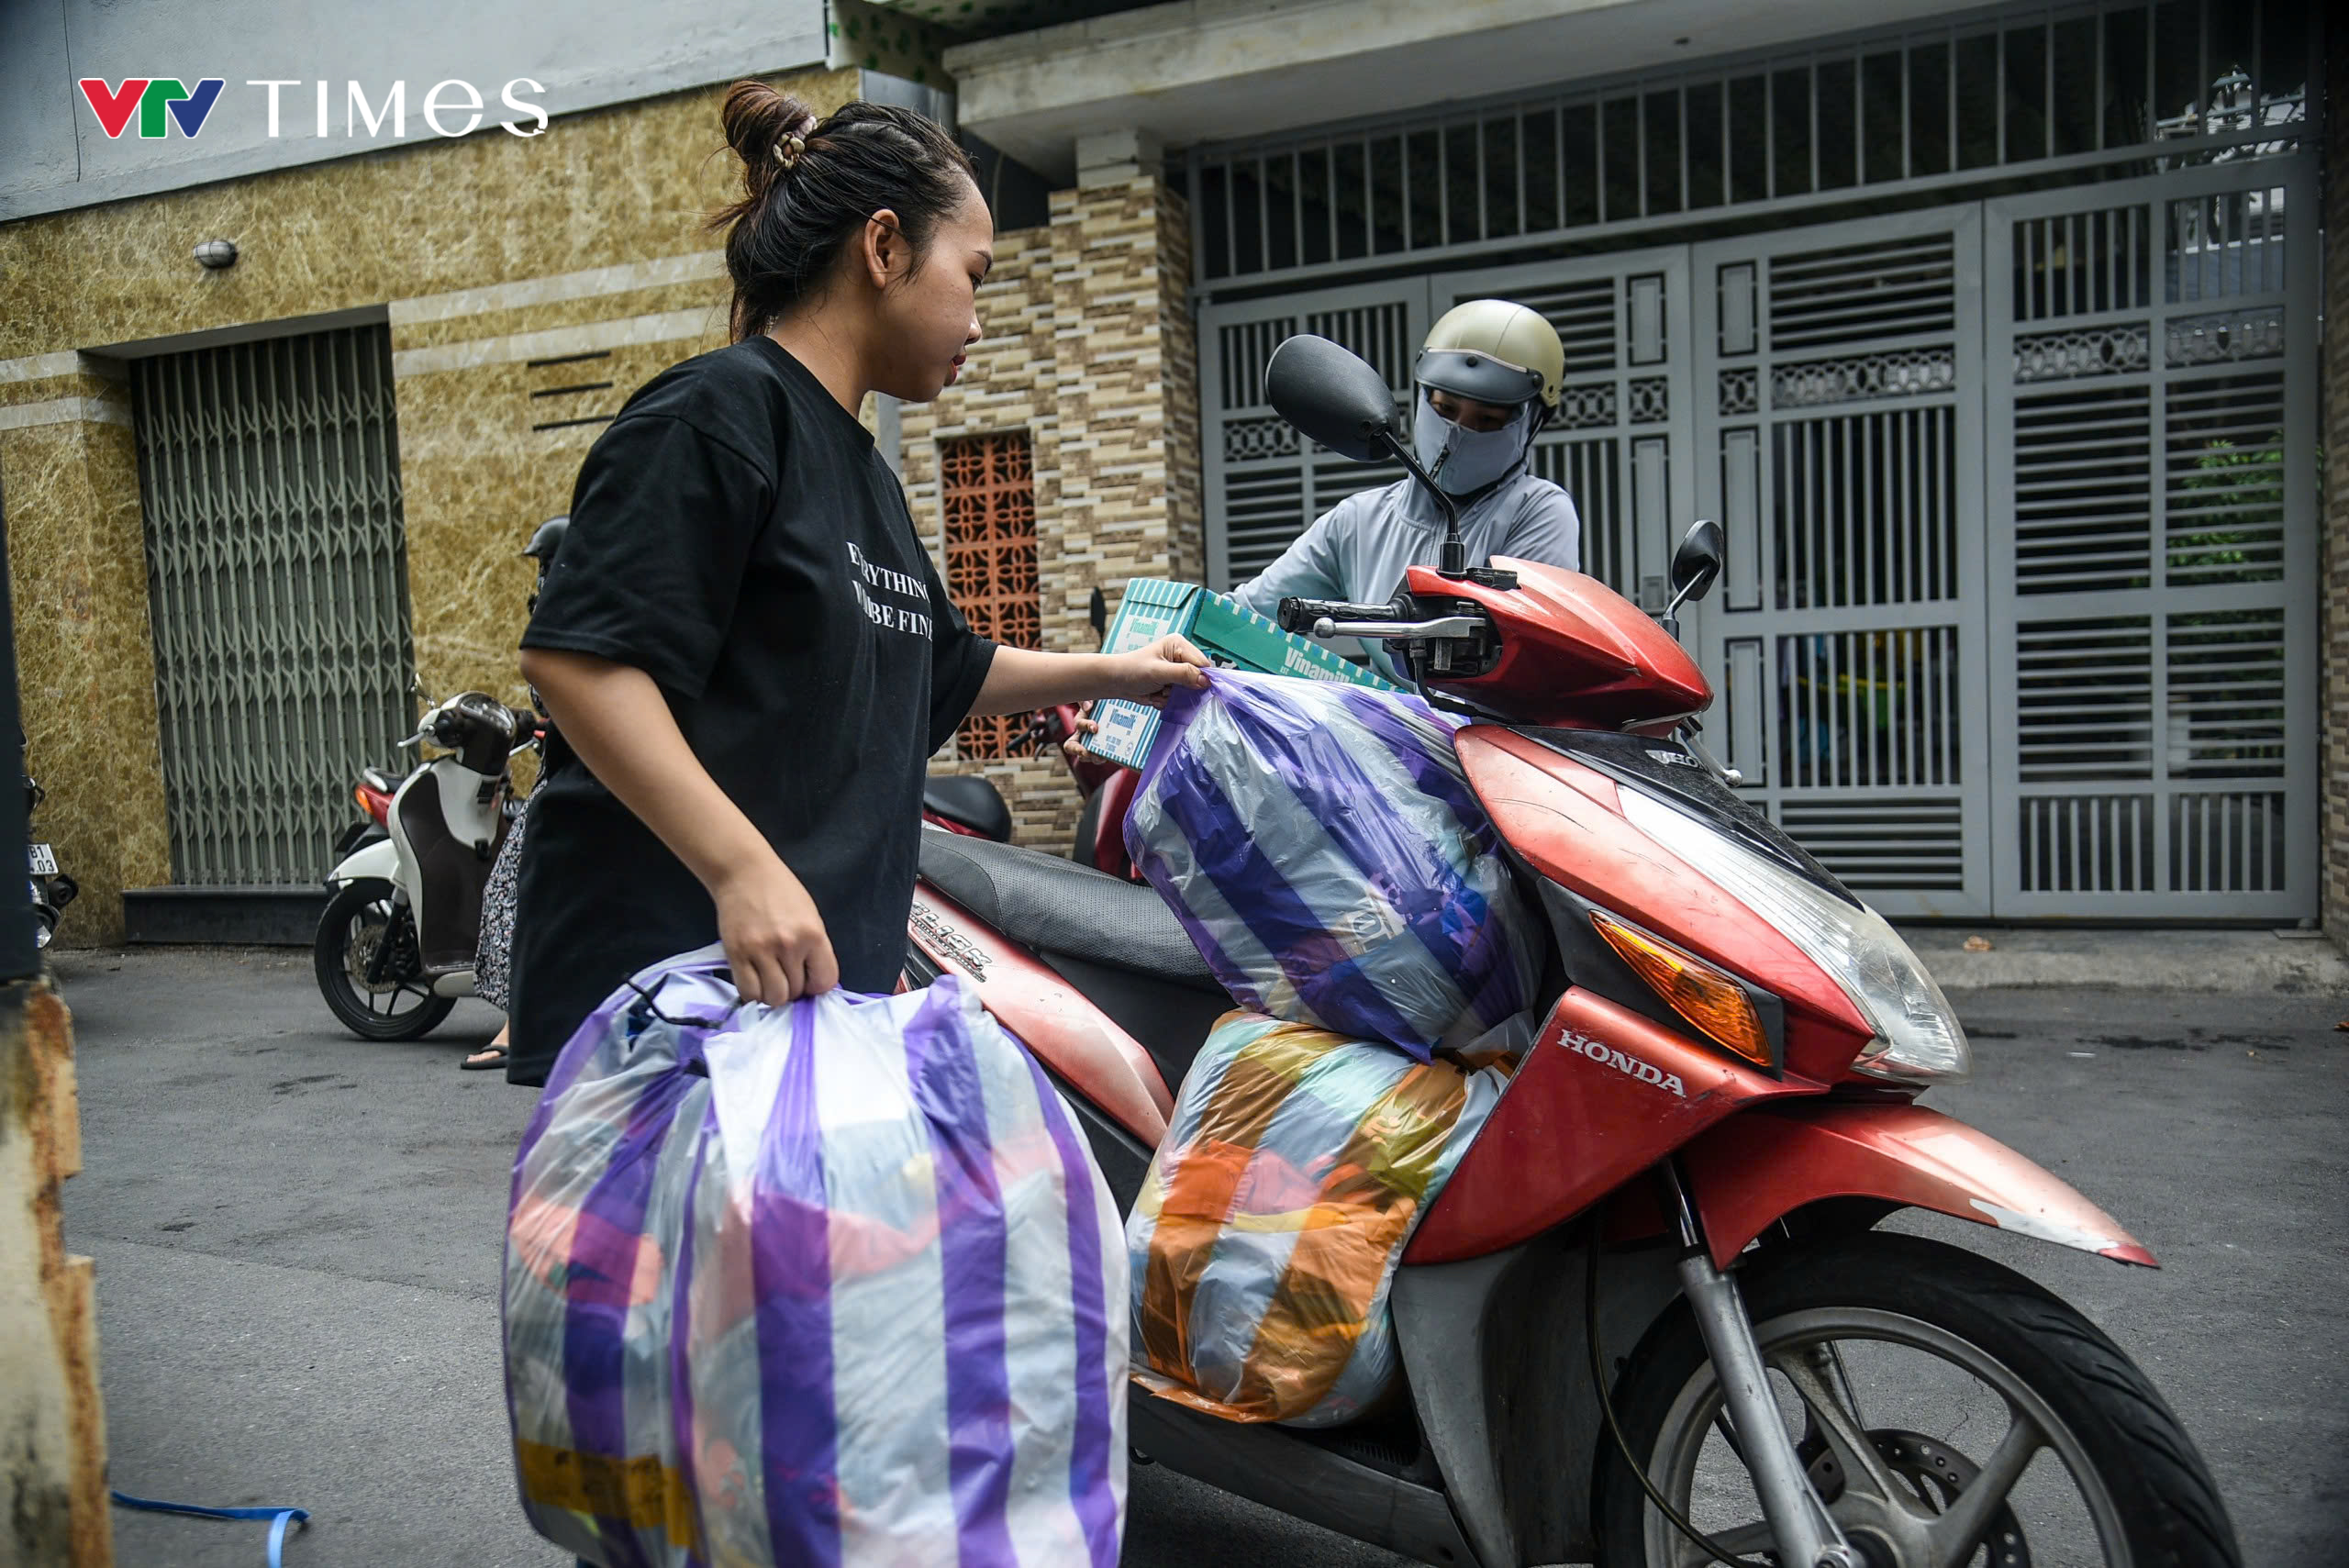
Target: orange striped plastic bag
column 1268, row 1231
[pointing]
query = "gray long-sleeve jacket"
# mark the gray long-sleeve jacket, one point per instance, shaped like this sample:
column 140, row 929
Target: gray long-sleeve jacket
column 1360, row 549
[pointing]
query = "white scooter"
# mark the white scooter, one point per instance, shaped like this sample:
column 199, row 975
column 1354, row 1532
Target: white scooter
column 396, row 945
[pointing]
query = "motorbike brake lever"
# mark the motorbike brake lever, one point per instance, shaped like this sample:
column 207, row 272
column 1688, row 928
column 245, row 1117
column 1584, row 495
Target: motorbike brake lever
column 1442, row 626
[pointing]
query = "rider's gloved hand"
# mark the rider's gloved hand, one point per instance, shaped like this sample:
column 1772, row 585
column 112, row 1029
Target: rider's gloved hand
column 1073, row 745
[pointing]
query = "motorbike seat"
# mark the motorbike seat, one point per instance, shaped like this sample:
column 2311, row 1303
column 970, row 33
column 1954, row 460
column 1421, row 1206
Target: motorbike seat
column 967, row 801
column 1113, row 940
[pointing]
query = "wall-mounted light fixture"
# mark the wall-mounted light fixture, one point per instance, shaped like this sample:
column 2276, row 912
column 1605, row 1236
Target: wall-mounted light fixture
column 217, row 255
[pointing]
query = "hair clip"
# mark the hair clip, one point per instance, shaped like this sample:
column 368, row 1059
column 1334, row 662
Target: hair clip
column 788, row 150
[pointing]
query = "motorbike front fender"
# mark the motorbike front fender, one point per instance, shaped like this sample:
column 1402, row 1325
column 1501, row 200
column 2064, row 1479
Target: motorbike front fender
column 379, row 860
column 1750, row 1172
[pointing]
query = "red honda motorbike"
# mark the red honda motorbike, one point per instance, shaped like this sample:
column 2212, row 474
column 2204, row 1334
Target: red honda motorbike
column 1650, row 1321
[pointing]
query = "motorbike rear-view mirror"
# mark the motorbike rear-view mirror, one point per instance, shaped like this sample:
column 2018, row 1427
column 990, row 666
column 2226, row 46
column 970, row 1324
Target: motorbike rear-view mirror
column 1336, row 398
column 1697, row 564
column 1332, row 396
column 1096, row 610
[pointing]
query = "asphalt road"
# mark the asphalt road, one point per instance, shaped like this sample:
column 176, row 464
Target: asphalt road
column 297, row 1238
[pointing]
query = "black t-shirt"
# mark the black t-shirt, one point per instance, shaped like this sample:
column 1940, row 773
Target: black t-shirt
column 735, row 536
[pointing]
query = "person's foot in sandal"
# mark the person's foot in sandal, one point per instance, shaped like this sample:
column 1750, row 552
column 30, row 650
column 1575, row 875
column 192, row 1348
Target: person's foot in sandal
column 488, row 1056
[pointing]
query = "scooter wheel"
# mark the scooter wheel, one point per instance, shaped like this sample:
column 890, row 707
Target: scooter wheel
column 1921, row 1382
column 359, row 919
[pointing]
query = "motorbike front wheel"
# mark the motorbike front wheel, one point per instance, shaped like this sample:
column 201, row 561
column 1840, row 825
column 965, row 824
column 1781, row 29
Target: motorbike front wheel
column 1951, row 1413
column 359, row 919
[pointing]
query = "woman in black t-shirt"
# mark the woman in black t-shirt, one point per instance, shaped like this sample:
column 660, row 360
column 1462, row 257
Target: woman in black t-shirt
column 745, row 647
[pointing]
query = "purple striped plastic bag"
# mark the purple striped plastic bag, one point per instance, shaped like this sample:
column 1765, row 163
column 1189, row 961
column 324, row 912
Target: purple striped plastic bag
column 831, row 1283
column 1322, row 848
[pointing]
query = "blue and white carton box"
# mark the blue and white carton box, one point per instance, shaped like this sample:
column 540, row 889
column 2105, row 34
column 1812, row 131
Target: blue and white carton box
column 1231, row 638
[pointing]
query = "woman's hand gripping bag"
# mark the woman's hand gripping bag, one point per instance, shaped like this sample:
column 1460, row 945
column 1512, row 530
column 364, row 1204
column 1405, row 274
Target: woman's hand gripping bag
column 831, row 1283
column 1266, row 1238
column 1322, row 848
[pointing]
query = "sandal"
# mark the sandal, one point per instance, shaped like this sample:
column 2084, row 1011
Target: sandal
column 483, row 1059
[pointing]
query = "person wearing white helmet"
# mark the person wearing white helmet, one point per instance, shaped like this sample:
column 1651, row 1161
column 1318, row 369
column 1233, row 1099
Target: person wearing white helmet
column 1489, row 378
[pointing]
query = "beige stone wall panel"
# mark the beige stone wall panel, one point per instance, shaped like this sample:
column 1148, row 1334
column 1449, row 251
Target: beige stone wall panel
column 709, row 295
column 471, row 245
column 85, row 665
column 608, row 187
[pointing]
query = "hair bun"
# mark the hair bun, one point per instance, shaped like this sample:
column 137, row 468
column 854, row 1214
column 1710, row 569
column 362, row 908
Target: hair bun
column 759, row 122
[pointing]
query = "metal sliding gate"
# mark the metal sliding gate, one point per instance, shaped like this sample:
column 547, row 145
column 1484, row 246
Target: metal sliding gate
column 1841, row 422
column 278, row 587
column 2021, row 504
column 2153, row 544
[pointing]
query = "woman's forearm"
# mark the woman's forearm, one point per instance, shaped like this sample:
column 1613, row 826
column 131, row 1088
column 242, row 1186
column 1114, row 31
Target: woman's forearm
column 615, row 717
column 1021, row 679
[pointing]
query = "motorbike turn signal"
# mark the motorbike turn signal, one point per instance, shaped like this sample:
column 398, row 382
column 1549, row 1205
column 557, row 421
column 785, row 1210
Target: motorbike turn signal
column 1693, row 988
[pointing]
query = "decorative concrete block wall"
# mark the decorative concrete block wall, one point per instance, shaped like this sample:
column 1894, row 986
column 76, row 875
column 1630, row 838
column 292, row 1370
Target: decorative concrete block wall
column 1089, row 347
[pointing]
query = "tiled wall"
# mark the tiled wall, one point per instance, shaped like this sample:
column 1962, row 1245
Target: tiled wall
column 2334, row 589
column 1090, row 348
column 488, row 253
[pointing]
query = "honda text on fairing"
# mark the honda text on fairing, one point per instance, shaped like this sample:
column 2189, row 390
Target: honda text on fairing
column 394, row 947
column 1650, row 1322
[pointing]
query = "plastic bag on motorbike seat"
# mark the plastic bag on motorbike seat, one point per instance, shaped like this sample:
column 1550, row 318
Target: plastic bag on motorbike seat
column 836, row 1283
column 1266, row 1238
column 1322, row 848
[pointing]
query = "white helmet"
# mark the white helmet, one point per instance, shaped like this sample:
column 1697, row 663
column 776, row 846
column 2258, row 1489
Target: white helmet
column 1494, row 351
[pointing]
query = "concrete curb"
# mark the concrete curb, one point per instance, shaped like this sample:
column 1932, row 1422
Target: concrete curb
column 2291, row 963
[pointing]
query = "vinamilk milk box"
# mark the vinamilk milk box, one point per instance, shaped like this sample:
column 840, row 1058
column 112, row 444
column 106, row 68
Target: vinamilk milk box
column 1231, row 638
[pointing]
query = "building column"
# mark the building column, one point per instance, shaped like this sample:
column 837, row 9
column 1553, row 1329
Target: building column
column 2333, row 586
column 1126, row 380
column 1091, row 351
column 86, row 665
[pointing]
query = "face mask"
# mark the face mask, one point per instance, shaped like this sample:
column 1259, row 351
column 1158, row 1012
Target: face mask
column 1470, row 459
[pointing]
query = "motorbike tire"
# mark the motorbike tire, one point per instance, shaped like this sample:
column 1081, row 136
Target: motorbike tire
column 330, row 958
column 2164, row 1505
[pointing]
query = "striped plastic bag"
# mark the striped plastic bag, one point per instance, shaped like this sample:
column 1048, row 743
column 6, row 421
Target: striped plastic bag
column 831, row 1283
column 1295, row 1167
column 1322, row 848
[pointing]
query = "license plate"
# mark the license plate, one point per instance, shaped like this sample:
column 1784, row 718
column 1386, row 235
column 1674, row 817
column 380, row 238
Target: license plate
column 44, row 861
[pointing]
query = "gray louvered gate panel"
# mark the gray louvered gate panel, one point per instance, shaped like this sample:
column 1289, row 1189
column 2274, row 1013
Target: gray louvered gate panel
column 1265, row 483
column 1839, row 428
column 2151, row 552
column 1620, row 444
column 278, row 587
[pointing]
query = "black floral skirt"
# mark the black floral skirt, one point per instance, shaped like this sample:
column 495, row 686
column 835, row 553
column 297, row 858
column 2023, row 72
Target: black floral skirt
column 492, row 956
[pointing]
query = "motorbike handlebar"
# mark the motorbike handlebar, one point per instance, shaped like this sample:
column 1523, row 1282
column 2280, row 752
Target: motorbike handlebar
column 1300, row 615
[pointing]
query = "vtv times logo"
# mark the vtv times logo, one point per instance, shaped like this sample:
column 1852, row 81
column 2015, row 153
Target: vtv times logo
column 161, row 102
column 150, row 97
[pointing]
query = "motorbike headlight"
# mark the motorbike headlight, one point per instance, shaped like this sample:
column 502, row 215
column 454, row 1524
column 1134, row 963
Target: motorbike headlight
column 1917, row 1037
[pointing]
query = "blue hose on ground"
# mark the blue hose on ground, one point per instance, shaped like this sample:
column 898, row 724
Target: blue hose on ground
column 286, row 1518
